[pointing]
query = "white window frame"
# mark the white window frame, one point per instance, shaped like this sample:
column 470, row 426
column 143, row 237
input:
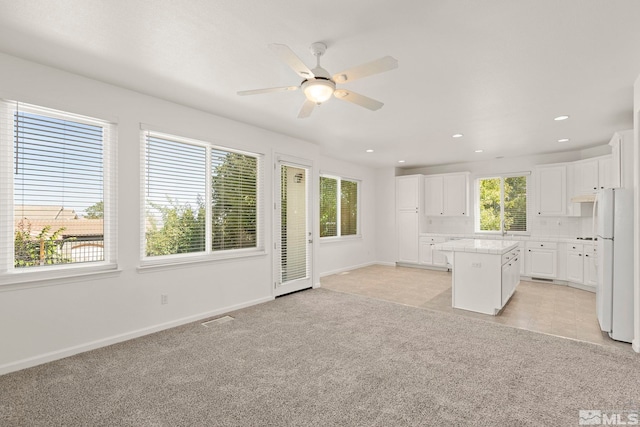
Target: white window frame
column 10, row 275
column 477, row 204
column 208, row 255
column 339, row 235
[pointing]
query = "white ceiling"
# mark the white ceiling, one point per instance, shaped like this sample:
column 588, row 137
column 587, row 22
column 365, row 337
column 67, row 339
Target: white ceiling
column 497, row 71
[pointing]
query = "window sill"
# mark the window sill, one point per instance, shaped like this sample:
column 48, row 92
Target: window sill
column 341, row 239
column 150, row 265
column 55, row 276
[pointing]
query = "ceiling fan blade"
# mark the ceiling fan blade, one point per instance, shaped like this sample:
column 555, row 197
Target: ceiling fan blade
column 268, row 90
column 370, row 68
column 356, row 98
column 306, row 109
column 287, row 56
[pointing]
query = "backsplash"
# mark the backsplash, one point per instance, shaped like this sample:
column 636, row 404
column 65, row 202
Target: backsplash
column 540, row 226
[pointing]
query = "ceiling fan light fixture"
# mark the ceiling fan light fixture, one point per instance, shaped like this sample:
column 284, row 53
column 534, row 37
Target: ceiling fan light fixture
column 318, row 90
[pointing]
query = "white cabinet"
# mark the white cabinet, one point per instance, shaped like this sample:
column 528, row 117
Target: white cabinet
column 510, row 274
column 590, row 275
column 585, row 177
column 430, row 257
column 408, row 224
column 622, row 159
column 592, row 175
column 408, row 214
column 408, row 192
column 447, row 194
column 434, row 195
column 542, row 260
column 550, row 190
column 575, row 263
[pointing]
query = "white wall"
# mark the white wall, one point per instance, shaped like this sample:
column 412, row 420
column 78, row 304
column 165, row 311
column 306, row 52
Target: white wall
column 386, row 242
column 335, row 255
column 48, row 320
column 636, row 214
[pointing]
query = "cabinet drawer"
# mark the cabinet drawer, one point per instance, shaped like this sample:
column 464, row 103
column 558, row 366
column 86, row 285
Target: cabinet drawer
column 575, row 247
column 432, row 239
column 543, row 245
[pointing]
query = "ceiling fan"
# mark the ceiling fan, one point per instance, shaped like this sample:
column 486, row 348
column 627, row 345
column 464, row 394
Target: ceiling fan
column 318, row 85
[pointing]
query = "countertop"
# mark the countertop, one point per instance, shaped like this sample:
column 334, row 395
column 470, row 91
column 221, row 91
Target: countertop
column 497, row 247
column 498, row 237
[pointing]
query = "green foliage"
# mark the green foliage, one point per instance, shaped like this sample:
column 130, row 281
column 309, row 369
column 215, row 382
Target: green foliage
column 328, row 207
column 234, row 203
column 348, row 208
column 514, row 204
column 182, row 230
column 490, row 204
column 95, row 211
column 233, row 211
column 41, row 250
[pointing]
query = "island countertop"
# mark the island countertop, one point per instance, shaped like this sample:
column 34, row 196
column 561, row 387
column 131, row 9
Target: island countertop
column 497, row 247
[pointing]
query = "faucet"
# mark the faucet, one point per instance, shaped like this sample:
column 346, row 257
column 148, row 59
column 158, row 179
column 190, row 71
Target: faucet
column 504, row 230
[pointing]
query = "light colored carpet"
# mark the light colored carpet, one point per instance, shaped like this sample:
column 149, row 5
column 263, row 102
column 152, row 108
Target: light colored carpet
column 326, row 358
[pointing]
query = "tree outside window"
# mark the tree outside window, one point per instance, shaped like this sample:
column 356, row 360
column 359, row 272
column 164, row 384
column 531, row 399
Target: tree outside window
column 338, row 207
column 502, row 203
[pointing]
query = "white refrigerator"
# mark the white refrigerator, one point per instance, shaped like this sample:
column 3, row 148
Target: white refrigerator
column 613, row 227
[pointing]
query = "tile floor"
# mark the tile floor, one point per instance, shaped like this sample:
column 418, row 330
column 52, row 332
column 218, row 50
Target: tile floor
column 541, row 307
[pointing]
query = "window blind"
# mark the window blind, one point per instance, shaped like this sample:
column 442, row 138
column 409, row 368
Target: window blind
column 294, row 230
column 198, row 198
column 58, row 203
column 348, row 208
column 328, row 207
column 515, row 203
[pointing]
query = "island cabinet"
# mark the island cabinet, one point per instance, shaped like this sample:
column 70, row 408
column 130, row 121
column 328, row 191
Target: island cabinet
column 485, row 273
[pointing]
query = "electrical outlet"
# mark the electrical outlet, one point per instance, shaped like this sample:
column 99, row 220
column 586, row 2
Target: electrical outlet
column 476, row 265
column 164, row 299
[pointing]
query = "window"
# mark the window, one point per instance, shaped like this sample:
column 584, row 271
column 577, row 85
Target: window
column 57, row 191
column 338, row 207
column 502, row 204
column 198, row 199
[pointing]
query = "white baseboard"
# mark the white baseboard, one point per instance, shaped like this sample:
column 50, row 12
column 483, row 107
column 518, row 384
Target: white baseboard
column 635, row 345
column 81, row 348
column 351, row 267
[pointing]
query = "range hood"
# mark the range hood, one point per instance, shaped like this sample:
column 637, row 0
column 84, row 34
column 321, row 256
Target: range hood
column 584, row 198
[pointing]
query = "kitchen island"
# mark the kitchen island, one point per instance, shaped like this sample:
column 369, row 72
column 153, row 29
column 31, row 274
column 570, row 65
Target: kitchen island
column 485, row 273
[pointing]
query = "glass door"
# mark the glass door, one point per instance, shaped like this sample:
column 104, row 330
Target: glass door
column 293, row 229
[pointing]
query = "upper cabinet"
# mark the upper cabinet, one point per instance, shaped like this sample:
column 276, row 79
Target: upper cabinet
column 550, row 190
column 447, row 194
column 622, row 159
column 409, row 192
column 592, row 175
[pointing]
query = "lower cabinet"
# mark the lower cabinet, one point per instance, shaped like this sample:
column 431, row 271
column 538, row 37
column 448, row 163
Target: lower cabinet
column 430, row 257
column 408, row 248
column 542, row 260
column 590, row 276
column 575, row 263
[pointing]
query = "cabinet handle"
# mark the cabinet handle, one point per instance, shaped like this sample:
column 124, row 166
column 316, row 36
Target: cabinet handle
column 529, row 250
column 579, row 254
column 541, row 246
column 538, row 213
column 587, row 255
column 573, row 247
column 595, row 188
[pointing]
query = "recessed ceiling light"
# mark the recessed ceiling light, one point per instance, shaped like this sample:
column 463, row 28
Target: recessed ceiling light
column 559, row 118
column 401, row 161
column 369, row 151
column 457, row 135
column 479, row 151
column 563, row 140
